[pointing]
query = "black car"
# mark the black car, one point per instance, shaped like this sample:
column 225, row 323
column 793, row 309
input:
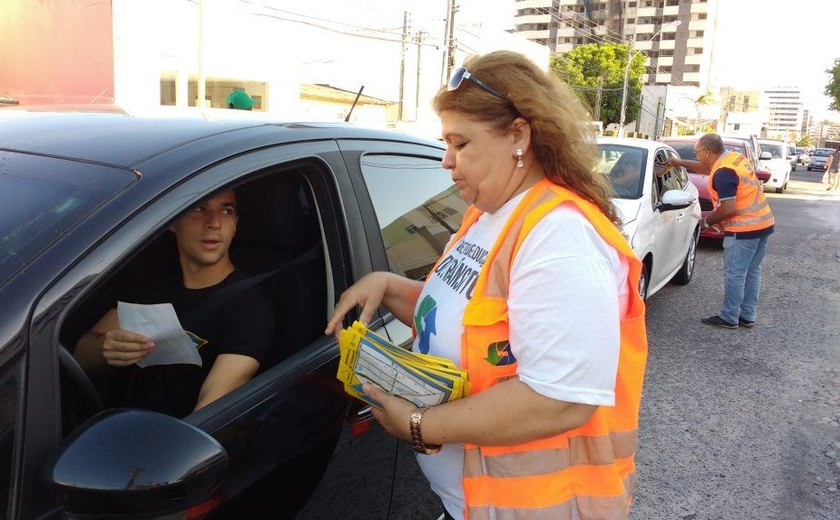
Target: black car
column 85, row 203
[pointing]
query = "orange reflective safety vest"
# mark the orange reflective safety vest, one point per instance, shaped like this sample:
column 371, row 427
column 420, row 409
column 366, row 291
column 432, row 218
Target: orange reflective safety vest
column 753, row 211
column 586, row 473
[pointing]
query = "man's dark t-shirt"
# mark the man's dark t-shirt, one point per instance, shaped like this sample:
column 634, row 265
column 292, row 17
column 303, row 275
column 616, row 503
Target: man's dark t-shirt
column 241, row 323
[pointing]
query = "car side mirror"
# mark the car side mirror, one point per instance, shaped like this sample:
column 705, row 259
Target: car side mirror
column 675, row 199
column 765, row 156
column 136, row 464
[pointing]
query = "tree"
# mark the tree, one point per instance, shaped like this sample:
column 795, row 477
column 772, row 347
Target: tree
column 582, row 67
column 707, row 98
column 804, row 142
column 832, row 89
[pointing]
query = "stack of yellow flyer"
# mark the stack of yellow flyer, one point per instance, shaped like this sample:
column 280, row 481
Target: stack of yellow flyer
column 420, row 378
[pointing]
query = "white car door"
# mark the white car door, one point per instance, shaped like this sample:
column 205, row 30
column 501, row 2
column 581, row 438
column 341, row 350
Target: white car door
column 666, row 240
column 686, row 219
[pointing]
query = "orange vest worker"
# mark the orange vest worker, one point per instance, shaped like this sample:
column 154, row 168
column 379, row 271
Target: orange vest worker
column 753, row 211
column 586, row 473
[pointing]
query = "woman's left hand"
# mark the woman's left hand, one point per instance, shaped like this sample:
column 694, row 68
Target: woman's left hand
column 395, row 413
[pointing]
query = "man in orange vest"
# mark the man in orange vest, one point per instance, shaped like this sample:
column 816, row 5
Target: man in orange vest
column 743, row 213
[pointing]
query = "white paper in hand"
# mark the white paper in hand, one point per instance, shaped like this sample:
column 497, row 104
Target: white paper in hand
column 160, row 323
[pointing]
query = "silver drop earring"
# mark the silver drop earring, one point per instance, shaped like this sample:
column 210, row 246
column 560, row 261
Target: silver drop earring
column 519, row 163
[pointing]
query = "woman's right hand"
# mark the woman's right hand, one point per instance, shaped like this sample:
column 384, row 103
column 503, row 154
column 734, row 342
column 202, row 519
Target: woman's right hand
column 367, row 294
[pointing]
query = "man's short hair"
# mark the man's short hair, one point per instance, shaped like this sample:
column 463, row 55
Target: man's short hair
column 712, row 142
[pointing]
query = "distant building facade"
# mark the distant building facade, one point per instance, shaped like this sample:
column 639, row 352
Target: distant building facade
column 677, row 54
column 784, row 106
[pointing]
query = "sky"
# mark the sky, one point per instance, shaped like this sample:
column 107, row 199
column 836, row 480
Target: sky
column 780, row 43
column 761, row 43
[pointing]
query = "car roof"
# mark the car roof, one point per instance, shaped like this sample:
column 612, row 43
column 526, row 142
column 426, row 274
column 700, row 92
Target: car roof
column 118, row 138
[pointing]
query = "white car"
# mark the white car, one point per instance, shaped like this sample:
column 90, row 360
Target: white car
column 658, row 206
column 774, row 158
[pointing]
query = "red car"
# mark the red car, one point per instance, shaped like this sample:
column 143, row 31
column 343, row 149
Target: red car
column 684, row 145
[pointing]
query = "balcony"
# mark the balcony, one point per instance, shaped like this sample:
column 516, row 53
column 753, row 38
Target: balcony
column 533, row 35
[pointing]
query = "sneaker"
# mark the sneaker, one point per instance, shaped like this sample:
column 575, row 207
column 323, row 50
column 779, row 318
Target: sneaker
column 718, row 322
column 744, row 323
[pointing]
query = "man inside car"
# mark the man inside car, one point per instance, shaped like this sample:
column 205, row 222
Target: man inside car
column 233, row 336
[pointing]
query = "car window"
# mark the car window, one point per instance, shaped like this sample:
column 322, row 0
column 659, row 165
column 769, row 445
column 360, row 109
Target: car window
column 418, row 208
column 680, row 173
column 279, row 256
column 43, row 199
column 773, row 149
column 624, row 166
column 822, row 153
column 670, row 177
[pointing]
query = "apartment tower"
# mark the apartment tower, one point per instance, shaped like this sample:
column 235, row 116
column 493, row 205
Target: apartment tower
column 677, row 54
column 785, row 110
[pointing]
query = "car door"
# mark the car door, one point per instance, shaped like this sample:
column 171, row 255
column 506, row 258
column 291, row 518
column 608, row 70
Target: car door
column 409, row 199
column 667, row 224
column 686, row 219
column 281, row 428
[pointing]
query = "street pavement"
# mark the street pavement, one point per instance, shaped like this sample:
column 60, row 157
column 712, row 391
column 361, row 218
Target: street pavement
column 745, row 424
column 741, row 424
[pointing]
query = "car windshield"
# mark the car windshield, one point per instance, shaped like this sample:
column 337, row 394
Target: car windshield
column 42, row 198
column 624, row 167
column 774, row 149
column 822, row 153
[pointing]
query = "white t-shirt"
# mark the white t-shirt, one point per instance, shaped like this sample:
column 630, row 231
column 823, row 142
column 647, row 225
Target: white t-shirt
column 567, row 290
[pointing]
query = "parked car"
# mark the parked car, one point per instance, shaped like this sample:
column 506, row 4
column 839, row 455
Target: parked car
column 774, row 157
column 819, row 159
column 802, row 155
column 793, row 156
column 684, row 145
column 86, row 200
column 658, row 208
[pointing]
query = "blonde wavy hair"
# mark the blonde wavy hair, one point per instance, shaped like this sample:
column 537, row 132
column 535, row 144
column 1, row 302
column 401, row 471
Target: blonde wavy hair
column 561, row 136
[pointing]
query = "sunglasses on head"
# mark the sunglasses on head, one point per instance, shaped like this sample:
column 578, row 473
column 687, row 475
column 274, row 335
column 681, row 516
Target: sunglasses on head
column 461, row 74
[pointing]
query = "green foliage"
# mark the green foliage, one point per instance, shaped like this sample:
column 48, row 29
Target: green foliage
column 832, row 89
column 581, row 67
column 804, row 142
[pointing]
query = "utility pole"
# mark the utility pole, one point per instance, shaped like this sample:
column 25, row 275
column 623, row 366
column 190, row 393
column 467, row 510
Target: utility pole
column 623, row 113
column 417, row 85
column 450, row 42
column 641, row 107
column 402, row 63
column 598, row 98
column 201, row 81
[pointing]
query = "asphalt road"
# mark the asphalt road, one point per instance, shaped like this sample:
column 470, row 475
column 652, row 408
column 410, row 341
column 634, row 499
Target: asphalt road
column 741, row 424
column 745, row 424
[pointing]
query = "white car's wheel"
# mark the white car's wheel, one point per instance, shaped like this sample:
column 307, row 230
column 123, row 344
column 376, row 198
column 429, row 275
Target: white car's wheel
column 683, row 276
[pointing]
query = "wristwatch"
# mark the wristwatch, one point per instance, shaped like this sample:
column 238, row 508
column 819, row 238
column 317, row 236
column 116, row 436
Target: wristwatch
column 416, row 437
column 704, row 223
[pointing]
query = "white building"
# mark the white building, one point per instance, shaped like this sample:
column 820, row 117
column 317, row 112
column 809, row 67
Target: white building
column 677, row 54
column 784, row 111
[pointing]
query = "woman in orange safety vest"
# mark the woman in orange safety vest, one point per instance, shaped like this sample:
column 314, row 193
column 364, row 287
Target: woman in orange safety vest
column 536, row 297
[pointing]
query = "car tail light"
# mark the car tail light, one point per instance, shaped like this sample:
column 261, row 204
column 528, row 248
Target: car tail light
column 203, row 509
column 360, row 428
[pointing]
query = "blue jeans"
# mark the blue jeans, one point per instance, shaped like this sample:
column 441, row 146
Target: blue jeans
column 741, row 277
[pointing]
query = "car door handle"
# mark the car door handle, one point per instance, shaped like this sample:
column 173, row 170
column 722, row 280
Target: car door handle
column 680, row 216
